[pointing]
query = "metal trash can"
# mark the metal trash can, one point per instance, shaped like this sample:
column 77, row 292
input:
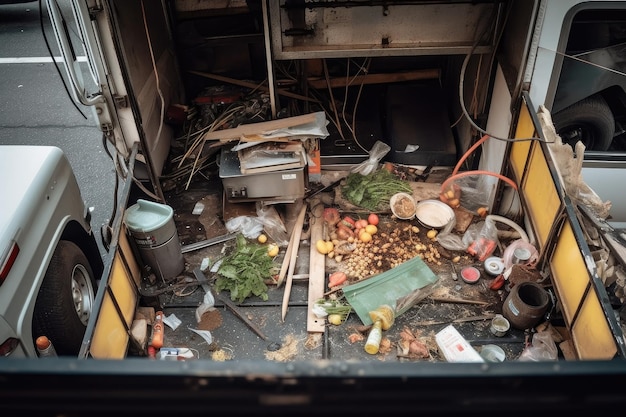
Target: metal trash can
column 154, row 231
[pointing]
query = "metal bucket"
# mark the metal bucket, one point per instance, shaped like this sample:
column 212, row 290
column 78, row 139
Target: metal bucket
column 154, row 231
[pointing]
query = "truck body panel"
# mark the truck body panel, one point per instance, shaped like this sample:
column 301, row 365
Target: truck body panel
column 496, row 58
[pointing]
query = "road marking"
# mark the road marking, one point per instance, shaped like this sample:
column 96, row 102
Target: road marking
column 36, row 60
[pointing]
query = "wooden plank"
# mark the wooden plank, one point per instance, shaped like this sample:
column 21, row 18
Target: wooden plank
column 249, row 85
column 297, row 232
column 317, row 267
column 425, row 74
column 289, row 252
column 258, row 128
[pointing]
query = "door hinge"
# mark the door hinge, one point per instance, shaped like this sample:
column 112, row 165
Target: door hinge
column 121, row 102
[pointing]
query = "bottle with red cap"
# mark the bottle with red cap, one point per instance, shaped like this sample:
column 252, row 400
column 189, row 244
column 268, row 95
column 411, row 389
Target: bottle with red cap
column 45, row 348
column 157, row 331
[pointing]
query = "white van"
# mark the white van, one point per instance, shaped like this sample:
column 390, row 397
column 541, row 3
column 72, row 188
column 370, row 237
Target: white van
column 450, row 87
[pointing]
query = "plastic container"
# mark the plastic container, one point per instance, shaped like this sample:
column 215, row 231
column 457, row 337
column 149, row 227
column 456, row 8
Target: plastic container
column 499, row 325
column 526, row 305
column 154, row 231
column 492, row 353
column 385, row 314
column 45, row 348
column 373, row 339
column 470, row 275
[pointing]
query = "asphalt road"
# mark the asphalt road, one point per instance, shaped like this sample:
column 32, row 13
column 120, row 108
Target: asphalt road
column 35, row 108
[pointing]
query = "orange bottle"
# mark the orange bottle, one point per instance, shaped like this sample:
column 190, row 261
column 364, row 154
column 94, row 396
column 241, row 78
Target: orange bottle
column 45, row 347
column 157, row 331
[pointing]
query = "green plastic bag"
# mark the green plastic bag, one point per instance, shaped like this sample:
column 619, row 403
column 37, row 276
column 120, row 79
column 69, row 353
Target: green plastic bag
column 401, row 287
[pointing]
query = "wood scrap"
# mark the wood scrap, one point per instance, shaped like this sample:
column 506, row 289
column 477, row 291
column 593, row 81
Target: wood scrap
column 459, row 320
column 317, row 267
column 458, row 300
column 297, row 231
column 235, row 133
column 250, row 85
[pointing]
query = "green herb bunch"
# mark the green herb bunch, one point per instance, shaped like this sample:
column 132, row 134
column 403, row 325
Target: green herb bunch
column 374, row 190
column 245, row 270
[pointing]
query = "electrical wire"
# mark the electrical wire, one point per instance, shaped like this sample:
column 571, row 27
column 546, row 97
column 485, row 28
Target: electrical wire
column 462, row 100
column 155, row 69
column 352, row 126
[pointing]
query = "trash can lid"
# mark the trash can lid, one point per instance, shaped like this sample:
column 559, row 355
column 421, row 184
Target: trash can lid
column 147, row 216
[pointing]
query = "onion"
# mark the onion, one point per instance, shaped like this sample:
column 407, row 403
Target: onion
column 331, row 216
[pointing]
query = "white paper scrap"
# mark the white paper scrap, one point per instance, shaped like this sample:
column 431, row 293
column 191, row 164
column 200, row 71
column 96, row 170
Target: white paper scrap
column 205, row 334
column 172, row 321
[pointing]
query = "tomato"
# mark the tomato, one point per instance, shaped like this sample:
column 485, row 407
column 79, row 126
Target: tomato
column 373, row 219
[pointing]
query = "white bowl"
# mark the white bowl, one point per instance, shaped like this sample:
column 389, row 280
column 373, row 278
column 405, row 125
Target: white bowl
column 434, row 213
column 404, row 201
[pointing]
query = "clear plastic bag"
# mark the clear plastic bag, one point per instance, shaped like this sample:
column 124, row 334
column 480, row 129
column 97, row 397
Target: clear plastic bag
column 542, row 348
column 376, row 154
column 250, row 227
column 485, row 242
column 449, row 240
column 272, row 224
column 467, row 189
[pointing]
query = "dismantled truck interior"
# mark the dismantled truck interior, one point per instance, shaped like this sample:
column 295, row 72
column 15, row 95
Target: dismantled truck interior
column 360, row 196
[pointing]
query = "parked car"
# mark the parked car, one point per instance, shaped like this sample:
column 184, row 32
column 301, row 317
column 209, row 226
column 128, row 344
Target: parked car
column 48, row 254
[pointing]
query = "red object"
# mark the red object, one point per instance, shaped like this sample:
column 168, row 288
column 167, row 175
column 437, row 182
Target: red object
column 497, row 283
column 336, row 278
column 482, row 248
column 348, row 222
column 470, row 274
column 331, row 215
column 157, row 331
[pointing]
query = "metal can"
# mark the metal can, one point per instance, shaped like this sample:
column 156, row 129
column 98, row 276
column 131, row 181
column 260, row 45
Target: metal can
column 521, row 255
column 499, row 325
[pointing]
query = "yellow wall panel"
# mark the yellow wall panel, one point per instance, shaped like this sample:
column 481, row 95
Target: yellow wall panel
column 591, row 334
column 519, row 150
column 123, row 290
column 542, row 200
column 110, row 338
column 569, row 271
column 134, row 267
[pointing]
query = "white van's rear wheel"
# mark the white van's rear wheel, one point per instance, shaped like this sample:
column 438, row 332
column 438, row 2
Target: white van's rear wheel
column 65, row 300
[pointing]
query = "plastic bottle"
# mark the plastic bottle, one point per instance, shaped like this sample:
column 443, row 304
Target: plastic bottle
column 373, row 339
column 45, row 347
column 157, row 331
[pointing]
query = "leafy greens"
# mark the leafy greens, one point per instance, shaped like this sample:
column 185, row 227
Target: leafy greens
column 244, row 271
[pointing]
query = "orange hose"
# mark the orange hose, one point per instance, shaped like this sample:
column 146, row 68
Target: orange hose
column 468, row 153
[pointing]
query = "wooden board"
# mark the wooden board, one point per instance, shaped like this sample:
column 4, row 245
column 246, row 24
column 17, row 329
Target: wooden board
column 425, row 190
column 317, row 268
column 258, row 128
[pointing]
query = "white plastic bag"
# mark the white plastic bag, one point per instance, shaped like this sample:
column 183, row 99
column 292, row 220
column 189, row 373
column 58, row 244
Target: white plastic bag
column 207, row 305
column 250, row 227
column 378, row 152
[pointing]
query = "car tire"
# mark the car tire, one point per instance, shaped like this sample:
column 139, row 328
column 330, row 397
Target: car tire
column 65, row 299
column 589, row 121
